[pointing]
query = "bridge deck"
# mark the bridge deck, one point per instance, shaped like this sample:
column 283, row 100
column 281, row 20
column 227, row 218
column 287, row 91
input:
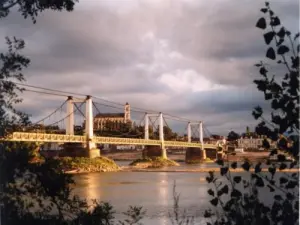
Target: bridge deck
column 43, row 137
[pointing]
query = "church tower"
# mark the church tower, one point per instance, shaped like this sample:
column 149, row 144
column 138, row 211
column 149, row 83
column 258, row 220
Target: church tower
column 127, row 112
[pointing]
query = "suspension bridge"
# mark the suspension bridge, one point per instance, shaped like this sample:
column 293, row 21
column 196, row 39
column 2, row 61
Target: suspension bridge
column 64, row 129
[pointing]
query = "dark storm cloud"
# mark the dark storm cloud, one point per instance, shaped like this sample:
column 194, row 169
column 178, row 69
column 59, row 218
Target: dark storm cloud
column 143, row 52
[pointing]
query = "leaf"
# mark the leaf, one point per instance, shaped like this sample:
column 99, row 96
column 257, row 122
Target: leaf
column 271, row 188
column 281, row 32
column 257, row 168
column 214, row 201
column 282, row 50
column 296, row 206
column 289, row 196
column 291, row 184
column 267, row 4
column 269, row 37
column 211, row 192
column 293, row 164
column 263, row 71
column 223, row 170
column 283, row 180
column 261, row 23
column 296, row 36
column 271, row 53
column 259, row 182
column 268, row 96
column 236, row 193
column 282, row 166
column 237, row 179
column 246, row 166
column 220, row 162
column 257, row 65
column 223, row 190
column 264, row 10
column 234, row 165
column 281, row 158
column 272, row 170
column 275, row 21
column 281, row 40
column 278, row 197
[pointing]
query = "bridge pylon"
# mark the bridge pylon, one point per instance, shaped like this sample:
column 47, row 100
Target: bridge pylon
column 87, row 149
column 191, row 154
column 152, row 151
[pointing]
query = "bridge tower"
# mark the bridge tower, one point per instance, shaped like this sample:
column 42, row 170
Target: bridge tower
column 89, row 128
column 87, row 149
column 155, row 151
column 193, row 153
column 70, row 114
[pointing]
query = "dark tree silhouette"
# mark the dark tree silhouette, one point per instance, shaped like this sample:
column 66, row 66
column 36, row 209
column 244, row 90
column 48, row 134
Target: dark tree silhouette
column 241, row 200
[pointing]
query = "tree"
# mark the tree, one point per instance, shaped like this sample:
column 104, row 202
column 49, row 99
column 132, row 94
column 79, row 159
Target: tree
column 232, row 136
column 283, row 91
column 243, row 203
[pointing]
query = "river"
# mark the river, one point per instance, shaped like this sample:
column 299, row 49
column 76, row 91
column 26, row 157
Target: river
column 152, row 190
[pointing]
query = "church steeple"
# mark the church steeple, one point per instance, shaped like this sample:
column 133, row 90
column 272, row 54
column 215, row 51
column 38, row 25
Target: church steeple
column 127, row 112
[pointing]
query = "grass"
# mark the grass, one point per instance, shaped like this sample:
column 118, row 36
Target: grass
column 157, row 162
column 82, row 164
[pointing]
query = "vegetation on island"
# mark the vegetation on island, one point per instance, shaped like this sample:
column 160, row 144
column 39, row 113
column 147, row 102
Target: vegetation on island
column 85, row 165
column 157, row 162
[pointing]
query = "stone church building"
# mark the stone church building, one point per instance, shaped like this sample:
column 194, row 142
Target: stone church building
column 102, row 119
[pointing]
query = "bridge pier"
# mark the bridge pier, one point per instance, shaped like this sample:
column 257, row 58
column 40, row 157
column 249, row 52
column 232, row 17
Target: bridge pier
column 153, row 151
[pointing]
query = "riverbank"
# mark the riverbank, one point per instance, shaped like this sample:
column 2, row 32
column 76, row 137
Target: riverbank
column 198, row 170
column 238, row 157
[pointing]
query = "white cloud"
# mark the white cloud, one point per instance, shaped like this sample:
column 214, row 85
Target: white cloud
column 186, row 81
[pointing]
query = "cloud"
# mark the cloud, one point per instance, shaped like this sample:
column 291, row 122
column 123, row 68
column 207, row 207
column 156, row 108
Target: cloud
column 190, row 58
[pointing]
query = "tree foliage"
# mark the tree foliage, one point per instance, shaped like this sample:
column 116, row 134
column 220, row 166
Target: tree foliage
column 232, row 136
column 33, row 7
column 281, row 91
column 265, row 197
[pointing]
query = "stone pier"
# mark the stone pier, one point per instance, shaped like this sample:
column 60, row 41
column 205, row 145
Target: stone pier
column 154, row 151
column 194, row 155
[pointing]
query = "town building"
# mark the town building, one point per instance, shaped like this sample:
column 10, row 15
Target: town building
column 253, row 142
column 101, row 120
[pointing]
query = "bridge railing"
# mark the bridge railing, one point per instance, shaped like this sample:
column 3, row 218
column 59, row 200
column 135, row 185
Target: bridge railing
column 43, row 137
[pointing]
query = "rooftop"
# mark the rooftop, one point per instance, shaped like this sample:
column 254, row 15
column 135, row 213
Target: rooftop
column 114, row 115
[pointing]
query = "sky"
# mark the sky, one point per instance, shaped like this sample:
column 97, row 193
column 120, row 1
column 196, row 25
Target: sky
column 190, row 58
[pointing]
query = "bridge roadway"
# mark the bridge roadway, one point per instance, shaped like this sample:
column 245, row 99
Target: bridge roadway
column 43, row 137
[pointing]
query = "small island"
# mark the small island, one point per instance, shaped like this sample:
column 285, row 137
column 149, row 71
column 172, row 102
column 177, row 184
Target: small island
column 157, row 162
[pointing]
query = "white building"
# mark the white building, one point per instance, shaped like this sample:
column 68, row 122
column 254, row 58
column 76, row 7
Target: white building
column 255, row 143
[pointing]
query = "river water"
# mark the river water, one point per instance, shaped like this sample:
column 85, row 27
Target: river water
column 152, row 190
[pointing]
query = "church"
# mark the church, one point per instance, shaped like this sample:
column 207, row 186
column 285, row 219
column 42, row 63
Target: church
column 102, row 119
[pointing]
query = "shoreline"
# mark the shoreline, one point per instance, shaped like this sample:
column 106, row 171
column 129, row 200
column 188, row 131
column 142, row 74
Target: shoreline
column 174, row 170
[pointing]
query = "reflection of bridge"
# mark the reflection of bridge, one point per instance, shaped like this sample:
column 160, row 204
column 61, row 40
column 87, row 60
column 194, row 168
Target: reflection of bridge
column 89, row 140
